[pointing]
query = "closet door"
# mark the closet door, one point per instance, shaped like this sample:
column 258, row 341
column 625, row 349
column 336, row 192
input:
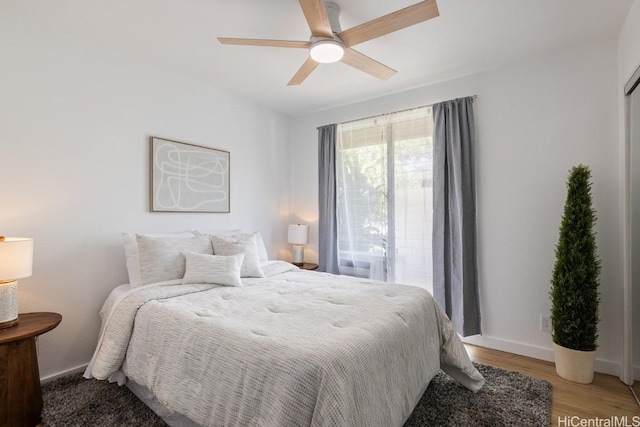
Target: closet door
column 633, row 92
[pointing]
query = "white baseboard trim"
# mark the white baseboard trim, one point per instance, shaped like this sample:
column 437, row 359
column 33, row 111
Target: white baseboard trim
column 57, row 375
column 542, row 353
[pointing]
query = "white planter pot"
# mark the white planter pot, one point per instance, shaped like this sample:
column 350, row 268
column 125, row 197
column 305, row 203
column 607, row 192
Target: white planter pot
column 574, row 365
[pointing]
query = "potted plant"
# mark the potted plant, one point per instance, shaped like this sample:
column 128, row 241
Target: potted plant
column 574, row 286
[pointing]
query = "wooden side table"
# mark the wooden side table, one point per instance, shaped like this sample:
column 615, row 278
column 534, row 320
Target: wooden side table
column 20, row 393
column 308, row 266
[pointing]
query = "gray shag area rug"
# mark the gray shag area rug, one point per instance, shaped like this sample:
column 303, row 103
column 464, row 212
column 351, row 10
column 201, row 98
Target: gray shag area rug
column 507, row 399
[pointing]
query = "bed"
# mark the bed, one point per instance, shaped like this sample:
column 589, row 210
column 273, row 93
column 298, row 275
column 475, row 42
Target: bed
column 290, row 348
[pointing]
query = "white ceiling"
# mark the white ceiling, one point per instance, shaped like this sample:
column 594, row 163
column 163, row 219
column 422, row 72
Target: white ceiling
column 468, row 36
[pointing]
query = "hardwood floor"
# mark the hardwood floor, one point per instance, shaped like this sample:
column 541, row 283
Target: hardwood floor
column 606, row 398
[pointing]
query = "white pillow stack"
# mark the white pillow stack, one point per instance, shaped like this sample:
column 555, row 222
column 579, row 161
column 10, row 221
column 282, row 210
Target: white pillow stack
column 189, row 256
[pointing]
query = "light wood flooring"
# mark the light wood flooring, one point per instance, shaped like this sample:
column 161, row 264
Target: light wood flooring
column 605, row 398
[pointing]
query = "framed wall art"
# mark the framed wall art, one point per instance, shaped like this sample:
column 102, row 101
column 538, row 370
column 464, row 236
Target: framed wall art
column 188, row 178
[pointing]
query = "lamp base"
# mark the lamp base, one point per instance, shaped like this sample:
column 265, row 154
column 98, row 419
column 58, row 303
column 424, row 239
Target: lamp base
column 298, row 255
column 8, row 304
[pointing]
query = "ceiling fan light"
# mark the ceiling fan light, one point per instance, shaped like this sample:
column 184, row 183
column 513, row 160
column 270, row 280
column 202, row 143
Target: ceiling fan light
column 326, row 51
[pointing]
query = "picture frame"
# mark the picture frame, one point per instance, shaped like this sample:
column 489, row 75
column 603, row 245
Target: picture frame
column 188, row 178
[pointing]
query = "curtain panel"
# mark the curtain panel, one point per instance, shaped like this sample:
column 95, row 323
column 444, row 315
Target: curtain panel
column 455, row 273
column 328, row 222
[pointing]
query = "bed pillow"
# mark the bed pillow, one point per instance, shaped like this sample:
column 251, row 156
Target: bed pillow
column 131, row 252
column 236, row 234
column 162, row 259
column 216, row 269
column 230, row 245
column 260, row 247
column 273, row 267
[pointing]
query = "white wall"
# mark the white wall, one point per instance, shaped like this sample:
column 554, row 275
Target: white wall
column 629, row 43
column 628, row 61
column 534, row 121
column 75, row 119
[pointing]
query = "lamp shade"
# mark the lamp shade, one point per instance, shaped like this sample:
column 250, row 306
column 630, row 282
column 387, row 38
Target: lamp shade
column 16, row 258
column 298, row 234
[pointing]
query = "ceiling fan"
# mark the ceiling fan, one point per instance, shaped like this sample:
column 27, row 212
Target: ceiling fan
column 328, row 43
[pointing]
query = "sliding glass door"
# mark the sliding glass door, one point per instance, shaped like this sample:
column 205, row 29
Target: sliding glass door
column 384, row 173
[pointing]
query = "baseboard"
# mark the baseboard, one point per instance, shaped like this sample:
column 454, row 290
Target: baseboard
column 57, row 375
column 542, row 353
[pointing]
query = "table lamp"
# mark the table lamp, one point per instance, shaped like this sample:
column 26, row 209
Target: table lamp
column 16, row 260
column 298, row 235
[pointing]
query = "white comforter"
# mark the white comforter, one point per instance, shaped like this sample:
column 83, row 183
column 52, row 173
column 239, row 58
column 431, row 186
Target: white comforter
column 297, row 349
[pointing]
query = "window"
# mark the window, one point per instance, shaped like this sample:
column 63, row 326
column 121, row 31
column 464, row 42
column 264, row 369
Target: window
column 384, row 172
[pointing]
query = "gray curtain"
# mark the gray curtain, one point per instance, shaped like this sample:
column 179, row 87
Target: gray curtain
column 328, row 222
column 455, row 273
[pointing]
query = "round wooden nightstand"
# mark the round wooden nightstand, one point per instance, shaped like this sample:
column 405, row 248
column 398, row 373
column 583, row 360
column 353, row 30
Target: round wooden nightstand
column 308, row 266
column 22, row 397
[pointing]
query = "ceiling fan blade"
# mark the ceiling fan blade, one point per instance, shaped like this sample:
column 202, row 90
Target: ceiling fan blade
column 304, row 71
column 363, row 63
column 386, row 24
column 264, row 42
column 316, row 16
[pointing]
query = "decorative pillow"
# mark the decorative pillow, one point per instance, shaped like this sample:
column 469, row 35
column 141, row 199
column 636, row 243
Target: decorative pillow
column 260, row 247
column 161, row 258
column 216, row 269
column 131, row 252
column 236, row 235
column 228, row 245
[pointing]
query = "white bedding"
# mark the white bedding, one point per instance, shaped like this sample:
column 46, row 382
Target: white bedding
column 298, row 348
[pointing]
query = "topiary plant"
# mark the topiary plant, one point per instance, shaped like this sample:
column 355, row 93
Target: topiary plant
column 574, row 286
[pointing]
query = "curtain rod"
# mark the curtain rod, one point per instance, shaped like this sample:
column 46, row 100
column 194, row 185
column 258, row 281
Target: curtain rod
column 394, row 112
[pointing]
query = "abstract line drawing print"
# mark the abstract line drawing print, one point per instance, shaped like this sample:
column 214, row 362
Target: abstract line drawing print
column 189, row 178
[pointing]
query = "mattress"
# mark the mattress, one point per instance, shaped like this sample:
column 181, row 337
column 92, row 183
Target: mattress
column 297, row 348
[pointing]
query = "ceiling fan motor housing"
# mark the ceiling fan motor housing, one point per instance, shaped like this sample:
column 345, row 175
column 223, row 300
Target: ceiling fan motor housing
column 327, row 50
